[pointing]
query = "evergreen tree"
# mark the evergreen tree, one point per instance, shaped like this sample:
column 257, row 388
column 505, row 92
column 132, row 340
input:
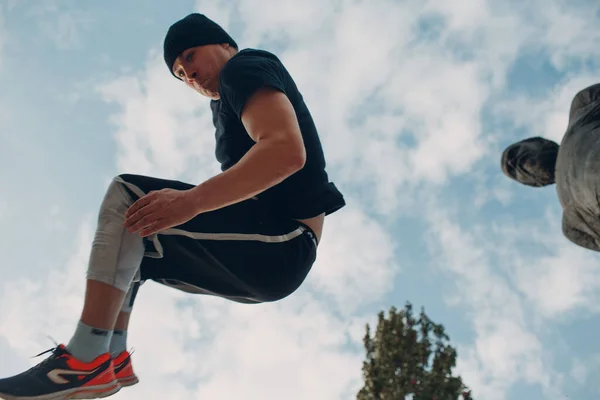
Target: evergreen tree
column 409, row 356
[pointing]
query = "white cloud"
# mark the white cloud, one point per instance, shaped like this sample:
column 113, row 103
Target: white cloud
column 558, row 277
column 36, row 309
column 218, row 10
column 517, row 278
column 2, row 35
column 579, row 372
column 505, row 349
column 268, row 349
column 296, row 344
column 69, row 28
column 354, row 278
column 566, row 280
column 163, row 128
column 58, row 23
column 546, row 115
column 568, row 31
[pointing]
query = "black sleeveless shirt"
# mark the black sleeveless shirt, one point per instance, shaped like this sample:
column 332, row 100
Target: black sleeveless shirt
column 308, row 192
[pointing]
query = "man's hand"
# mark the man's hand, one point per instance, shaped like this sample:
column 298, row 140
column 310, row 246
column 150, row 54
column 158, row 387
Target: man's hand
column 160, row 210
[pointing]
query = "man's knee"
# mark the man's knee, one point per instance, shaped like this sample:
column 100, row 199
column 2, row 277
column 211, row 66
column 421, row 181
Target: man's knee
column 117, row 198
column 116, row 254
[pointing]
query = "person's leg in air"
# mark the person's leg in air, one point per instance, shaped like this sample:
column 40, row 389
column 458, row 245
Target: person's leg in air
column 84, row 368
column 237, row 252
column 123, row 366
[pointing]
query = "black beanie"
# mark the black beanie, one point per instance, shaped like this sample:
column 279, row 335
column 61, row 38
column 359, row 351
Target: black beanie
column 531, row 161
column 191, row 31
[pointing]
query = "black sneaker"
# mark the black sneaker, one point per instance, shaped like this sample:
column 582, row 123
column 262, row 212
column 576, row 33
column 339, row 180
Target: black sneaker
column 62, row 377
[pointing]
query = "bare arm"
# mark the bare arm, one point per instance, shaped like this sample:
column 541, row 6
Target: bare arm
column 270, row 120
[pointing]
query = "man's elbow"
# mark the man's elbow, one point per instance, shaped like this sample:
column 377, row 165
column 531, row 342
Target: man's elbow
column 296, row 160
column 288, row 155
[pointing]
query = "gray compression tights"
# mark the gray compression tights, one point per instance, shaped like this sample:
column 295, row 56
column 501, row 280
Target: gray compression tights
column 116, row 254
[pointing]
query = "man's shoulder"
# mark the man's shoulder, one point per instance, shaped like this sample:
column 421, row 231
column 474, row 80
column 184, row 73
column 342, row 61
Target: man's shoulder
column 251, row 58
column 246, row 72
column 254, row 54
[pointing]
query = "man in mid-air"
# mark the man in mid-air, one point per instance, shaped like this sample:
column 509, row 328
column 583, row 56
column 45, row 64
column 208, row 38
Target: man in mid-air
column 574, row 166
column 249, row 234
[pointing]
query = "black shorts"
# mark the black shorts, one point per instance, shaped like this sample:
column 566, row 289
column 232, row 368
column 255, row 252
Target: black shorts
column 239, row 252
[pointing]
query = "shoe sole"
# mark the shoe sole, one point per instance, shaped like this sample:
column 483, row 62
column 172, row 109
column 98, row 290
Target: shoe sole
column 129, row 381
column 89, row 392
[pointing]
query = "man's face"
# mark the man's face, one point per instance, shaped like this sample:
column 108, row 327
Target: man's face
column 199, row 68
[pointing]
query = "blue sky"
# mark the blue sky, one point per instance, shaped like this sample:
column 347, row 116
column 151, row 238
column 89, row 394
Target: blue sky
column 414, row 101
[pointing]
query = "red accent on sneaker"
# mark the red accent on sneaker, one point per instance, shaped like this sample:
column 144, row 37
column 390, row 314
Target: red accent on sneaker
column 103, row 384
column 123, row 369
